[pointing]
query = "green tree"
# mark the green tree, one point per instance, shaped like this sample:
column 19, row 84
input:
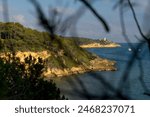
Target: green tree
column 24, row 81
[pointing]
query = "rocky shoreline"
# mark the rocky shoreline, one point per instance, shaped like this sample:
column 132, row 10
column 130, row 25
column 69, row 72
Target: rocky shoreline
column 97, row 64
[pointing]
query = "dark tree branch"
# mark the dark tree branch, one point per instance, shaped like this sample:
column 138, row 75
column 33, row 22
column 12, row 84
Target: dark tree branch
column 123, row 27
column 136, row 21
column 88, row 5
column 42, row 18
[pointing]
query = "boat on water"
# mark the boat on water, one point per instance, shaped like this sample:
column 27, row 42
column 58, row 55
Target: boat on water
column 129, row 49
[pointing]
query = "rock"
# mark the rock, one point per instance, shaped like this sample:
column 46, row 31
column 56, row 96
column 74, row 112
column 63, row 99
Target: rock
column 97, row 64
column 23, row 55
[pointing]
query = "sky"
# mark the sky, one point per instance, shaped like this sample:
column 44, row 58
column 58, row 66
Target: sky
column 88, row 25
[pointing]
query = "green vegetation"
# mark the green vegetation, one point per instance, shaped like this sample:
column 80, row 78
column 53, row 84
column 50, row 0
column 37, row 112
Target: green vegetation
column 24, row 81
column 65, row 52
column 69, row 55
column 15, row 36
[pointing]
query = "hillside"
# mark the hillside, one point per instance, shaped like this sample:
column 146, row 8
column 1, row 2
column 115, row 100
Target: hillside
column 62, row 55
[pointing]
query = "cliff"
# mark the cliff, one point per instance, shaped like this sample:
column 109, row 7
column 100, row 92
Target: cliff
column 63, row 56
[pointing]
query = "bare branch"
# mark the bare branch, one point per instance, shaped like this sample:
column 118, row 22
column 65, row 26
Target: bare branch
column 88, row 5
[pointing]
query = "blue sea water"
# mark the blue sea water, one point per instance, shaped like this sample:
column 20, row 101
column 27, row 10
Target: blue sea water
column 132, row 78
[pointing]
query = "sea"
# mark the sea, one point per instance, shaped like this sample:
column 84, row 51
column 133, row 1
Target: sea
column 130, row 81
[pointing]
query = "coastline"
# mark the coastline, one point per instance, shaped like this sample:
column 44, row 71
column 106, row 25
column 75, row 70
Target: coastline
column 97, row 45
column 97, row 64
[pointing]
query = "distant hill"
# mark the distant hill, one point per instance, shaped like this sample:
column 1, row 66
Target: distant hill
column 63, row 55
column 95, row 43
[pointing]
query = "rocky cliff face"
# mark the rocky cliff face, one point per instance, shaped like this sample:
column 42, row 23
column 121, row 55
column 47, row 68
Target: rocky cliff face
column 96, row 64
column 22, row 55
column 62, row 55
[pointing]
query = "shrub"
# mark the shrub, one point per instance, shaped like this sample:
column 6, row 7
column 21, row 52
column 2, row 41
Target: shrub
column 24, row 80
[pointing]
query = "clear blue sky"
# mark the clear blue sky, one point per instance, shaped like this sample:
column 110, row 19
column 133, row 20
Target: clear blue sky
column 88, row 26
